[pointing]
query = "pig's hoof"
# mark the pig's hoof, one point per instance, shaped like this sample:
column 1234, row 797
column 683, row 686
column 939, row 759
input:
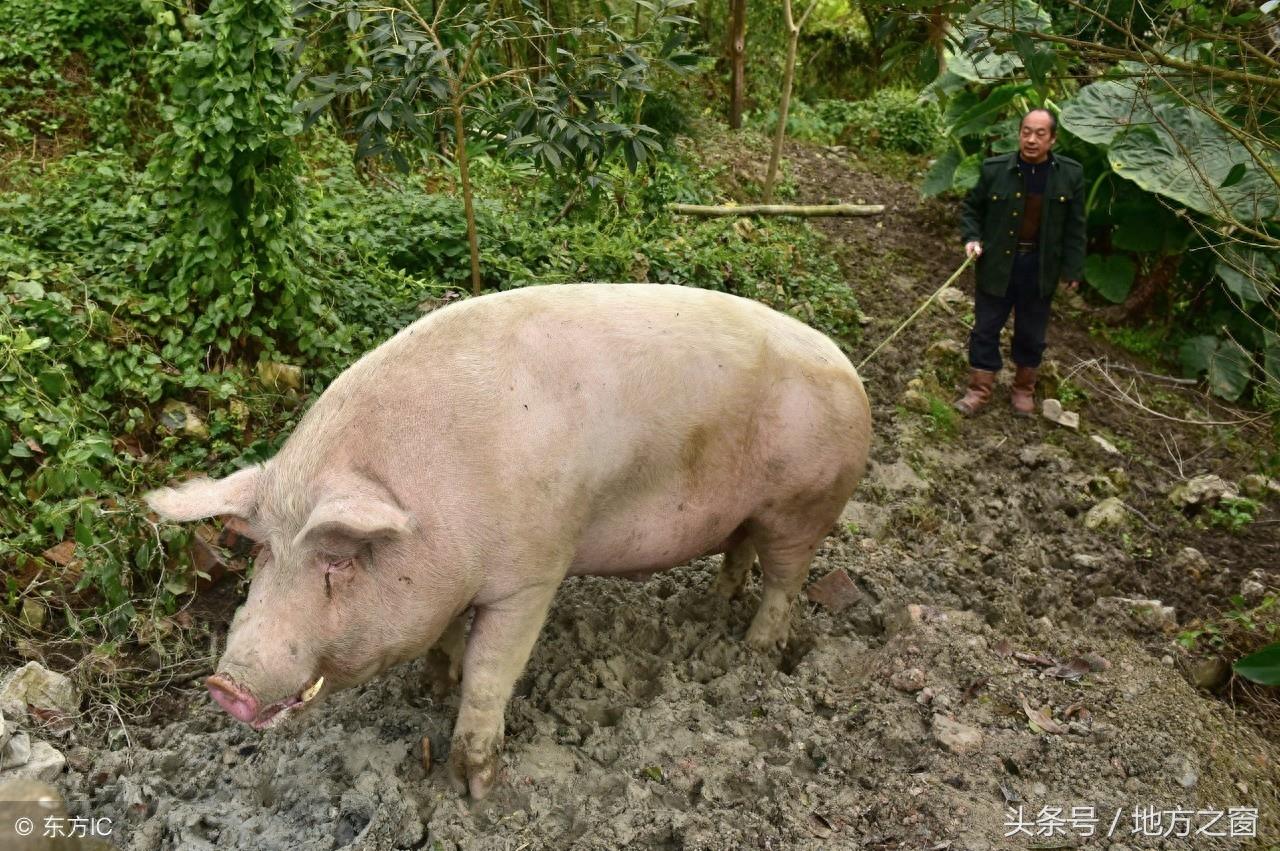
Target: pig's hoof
column 729, row 587
column 473, row 764
column 765, row 639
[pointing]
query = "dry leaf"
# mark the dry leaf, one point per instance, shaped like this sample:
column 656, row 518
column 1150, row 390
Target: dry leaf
column 1041, row 718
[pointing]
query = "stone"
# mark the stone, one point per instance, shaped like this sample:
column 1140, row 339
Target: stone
column 1052, row 410
column 1138, row 614
column 955, row 737
column 1086, row 561
column 1252, row 589
column 1183, row 770
column 870, row 520
column 1044, row 454
column 16, row 753
column 1109, row 513
column 5, row 732
column 45, row 762
column 182, row 418
column 946, row 352
column 50, row 694
column 1202, row 490
column 1210, row 674
column 1256, row 486
column 279, row 376
column 33, row 613
column 1191, row 562
column 952, row 297
column 909, row 680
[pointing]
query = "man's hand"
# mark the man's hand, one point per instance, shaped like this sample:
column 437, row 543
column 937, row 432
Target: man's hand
column 1071, row 286
column 973, row 249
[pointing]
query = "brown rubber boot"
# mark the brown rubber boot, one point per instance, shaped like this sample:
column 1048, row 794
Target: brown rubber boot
column 980, row 383
column 1022, row 395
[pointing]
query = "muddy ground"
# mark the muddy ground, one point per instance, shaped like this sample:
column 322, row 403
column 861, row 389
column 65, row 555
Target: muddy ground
column 902, row 721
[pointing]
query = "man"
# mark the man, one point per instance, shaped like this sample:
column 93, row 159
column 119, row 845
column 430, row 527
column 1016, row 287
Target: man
column 1024, row 221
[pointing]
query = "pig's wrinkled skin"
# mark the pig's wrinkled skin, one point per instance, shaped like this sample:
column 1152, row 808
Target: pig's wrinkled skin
column 494, row 447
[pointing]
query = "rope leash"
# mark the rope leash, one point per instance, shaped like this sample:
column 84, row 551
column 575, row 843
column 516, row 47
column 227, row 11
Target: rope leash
column 919, row 310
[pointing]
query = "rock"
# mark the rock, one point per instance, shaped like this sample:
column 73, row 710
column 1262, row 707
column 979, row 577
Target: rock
column 1043, row 454
column 951, row 297
column 946, row 352
column 1252, row 590
column 955, row 737
column 50, row 694
column 1053, row 411
column 1086, row 561
column 33, row 613
column 1210, row 674
column 1183, row 770
column 279, row 376
column 1191, row 562
column 1104, row 444
column 910, row 618
column 896, row 477
column 909, row 680
column 869, row 519
column 1256, row 486
column 16, row 753
column 181, row 418
column 915, row 400
column 1138, row 614
column 1202, row 490
column 835, row 592
column 1109, row 513
column 5, row 732
column 45, row 762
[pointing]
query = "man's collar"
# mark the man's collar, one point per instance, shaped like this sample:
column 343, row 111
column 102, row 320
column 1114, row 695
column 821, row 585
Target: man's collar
column 1015, row 161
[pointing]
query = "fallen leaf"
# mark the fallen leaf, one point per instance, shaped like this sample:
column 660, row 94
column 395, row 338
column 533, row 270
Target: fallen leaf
column 1095, row 662
column 33, row 446
column 1041, row 719
column 426, row 753
column 61, row 554
column 1072, row 669
column 1034, row 659
column 835, row 592
column 1077, row 710
column 1003, row 648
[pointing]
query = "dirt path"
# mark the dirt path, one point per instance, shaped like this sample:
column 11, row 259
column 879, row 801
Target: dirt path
column 903, row 721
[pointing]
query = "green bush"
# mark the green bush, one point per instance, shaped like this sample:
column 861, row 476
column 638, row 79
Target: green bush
column 889, row 120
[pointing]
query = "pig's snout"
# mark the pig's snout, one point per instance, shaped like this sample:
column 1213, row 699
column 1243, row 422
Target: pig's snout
column 239, row 703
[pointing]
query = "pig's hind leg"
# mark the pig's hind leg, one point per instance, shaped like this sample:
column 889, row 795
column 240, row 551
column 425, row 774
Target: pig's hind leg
column 444, row 660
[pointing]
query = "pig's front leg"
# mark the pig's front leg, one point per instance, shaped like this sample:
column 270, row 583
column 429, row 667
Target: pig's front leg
column 501, row 639
column 444, row 660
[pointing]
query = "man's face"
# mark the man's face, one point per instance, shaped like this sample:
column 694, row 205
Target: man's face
column 1036, row 137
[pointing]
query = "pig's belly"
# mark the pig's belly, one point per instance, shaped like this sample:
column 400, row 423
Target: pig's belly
column 654, row 537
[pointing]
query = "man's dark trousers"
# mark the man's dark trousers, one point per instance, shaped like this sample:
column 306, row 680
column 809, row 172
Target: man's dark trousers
column 1031, row 318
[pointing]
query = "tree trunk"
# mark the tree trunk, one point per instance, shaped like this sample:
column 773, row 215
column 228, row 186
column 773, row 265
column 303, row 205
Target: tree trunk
column 464, row 173
column 737, row 61
column 788, row 77
column 938, row 37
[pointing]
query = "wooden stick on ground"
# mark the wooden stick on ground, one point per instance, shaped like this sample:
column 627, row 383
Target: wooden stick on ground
column 803, row 210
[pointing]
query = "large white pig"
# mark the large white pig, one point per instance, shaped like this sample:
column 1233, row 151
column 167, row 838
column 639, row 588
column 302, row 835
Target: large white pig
column 498, row 445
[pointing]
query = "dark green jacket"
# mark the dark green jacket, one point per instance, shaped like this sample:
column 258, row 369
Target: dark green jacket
column 991, row 215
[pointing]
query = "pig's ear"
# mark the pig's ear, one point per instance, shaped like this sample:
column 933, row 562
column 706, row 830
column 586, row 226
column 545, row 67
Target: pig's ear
column 236, row 495
column 345, row 524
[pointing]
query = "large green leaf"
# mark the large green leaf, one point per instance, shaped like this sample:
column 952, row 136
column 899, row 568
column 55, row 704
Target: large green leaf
column 1226, row 363
column 1003, row 15
column 981, row 115
column 1271, row 360
column 967, row 173
column 1111, row 275
column 941, row 173
column 985, row 67
column 1142, row 223
column 1248, row 273
column 1262, row 667
column 1185, row 156
column 1100, row 112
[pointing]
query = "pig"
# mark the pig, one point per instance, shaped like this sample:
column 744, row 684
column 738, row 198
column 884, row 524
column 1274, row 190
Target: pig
column 498, row 445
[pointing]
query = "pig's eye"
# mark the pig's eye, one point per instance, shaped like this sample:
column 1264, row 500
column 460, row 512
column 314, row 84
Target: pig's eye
column 341, row 568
